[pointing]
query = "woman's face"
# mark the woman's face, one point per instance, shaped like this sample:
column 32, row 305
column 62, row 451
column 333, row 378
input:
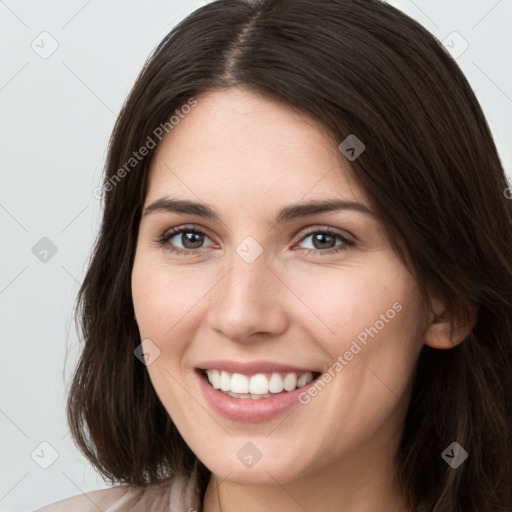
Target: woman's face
column 271, row 291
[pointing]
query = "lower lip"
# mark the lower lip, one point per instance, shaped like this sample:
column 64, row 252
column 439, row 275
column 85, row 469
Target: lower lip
column 247, row 409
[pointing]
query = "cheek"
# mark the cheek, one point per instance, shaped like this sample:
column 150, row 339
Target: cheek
column 369, row 321
column 347, row 301
column 336, row 306
column 373, row 334
column 163, row 297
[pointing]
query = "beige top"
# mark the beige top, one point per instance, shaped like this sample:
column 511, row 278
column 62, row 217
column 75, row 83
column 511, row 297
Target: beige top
column 177, row 495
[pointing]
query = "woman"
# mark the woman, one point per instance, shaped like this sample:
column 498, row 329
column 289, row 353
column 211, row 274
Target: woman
column 231, row 361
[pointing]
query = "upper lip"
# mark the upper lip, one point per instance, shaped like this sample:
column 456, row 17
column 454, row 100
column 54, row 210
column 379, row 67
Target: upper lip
column 251, row 368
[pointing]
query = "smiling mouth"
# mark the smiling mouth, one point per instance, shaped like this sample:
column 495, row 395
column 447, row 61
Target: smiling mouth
column 259, row 385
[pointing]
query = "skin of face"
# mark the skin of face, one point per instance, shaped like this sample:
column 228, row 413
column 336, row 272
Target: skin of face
column 247, row 156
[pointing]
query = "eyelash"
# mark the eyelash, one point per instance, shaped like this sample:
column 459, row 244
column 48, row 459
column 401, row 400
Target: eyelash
column 164, row 240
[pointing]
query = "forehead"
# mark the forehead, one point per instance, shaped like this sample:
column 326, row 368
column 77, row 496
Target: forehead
column 241, row 147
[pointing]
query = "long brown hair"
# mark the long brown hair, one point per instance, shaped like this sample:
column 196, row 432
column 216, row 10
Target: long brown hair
column 433, row 173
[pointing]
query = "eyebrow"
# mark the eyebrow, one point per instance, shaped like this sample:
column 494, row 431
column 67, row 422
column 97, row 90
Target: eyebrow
column 287, row 213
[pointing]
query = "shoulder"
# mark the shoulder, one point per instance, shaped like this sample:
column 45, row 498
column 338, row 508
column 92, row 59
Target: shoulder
column 88, row 502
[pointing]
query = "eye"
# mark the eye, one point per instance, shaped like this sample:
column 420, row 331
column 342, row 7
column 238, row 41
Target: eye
column 190, row 238
column 323, row 241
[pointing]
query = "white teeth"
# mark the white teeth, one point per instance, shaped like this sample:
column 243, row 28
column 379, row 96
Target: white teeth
column 290, row 382
column 256, row 386
column 214, row 377
column 304, row 379
column 225, row 381
column 275, row 384
column 239, row 383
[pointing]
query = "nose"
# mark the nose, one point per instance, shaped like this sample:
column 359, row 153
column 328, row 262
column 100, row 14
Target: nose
column 249, row 299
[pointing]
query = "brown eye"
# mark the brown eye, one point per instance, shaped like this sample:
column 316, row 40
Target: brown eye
column 183, row 240
column 190, row 239
column 325, row 241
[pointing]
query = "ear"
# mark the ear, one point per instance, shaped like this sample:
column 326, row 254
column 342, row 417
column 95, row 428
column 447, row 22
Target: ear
column 440, row 334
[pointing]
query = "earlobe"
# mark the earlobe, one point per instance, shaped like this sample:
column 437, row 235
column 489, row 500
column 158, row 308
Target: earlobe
column 441, row 334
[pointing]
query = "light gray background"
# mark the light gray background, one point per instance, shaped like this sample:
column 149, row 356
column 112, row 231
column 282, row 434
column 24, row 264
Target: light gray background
column 57, row 114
